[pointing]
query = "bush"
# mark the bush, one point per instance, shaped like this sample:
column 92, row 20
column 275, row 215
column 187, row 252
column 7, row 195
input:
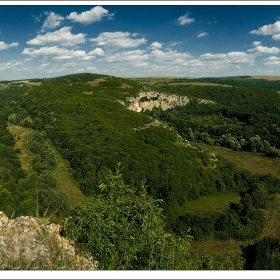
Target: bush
column 122, row 228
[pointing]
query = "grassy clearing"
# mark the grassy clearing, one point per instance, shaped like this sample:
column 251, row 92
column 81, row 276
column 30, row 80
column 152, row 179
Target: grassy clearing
column 210, row 204
column 272, row 217
column 254, row 162
column 257, row 164
column 65, row 181
column 23, row 136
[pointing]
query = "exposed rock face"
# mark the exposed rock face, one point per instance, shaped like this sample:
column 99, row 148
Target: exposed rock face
column 28, row 243
column 149, row 100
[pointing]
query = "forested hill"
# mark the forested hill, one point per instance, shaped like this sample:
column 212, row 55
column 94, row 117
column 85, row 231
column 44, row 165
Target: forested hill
column 85, row 118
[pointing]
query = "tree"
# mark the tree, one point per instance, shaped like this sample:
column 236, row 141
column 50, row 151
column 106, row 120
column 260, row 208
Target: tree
column 122, row 227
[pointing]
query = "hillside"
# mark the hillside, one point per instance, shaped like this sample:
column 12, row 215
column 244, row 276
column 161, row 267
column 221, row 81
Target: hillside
column 210, row 141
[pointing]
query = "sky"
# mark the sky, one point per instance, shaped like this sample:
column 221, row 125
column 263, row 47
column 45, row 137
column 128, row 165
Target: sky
column 138, row 39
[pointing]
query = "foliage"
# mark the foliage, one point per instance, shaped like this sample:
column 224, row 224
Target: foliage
column 122, row 227
column 241, row 118
column 264, row 254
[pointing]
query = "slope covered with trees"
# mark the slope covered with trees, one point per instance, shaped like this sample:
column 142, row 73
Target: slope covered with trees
column 84, row 117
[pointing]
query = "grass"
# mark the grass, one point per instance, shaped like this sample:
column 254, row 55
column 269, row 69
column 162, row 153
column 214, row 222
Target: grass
column 23, row 136
column 269, row 78
column 65, row 181
column 272, row 217
column 214, row 204
column 254, row 162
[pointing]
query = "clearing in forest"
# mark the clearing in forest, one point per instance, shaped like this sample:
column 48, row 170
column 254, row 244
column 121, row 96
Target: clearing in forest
column 254, row 162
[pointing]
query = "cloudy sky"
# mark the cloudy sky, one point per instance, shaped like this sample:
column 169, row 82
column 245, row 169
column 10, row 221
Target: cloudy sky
column 223, row 39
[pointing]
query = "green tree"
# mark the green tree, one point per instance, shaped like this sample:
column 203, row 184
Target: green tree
column 122, row 227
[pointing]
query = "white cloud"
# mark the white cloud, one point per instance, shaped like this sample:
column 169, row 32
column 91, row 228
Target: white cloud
column 135, row 58
column 44, row 64
column 91, row 68
column 61, row 37
column 257, row 43
column 88, row 17
column 202, row 34
column 4, row 46
column 272, row 60
column 13, row 65
column 173, row 44
column 97, row 51
column 210, row 56
column 52, row 21
column 57, row 53
column 220, row 61
column 240, row 57
column 156, row 45
column 269, row 29
column 117, row 40
column 265, row 50
column 276, row 37
column 170, row 56
column 185, row 19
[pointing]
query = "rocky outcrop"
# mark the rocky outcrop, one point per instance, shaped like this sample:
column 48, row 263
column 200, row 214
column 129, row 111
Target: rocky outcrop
column 149, row 100
column 30, row 243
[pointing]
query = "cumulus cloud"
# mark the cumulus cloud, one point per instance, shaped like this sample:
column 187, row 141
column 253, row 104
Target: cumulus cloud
column 52, row 21
column 210, row 56
column 257, row 43
column 264, row 50
column 44, row 64
column 185, row 19
column 202, row 34
column 240, row 57
column 97, row 51
column 62, row 37
column 173, row 57
column 88, row 17
column 156, row 45
column 272, row 60
column 270, row 29
column 117, row 40
column 58, row 53
column 10, row 65
column 224, row 60
column 4, row 46
column 135, row 58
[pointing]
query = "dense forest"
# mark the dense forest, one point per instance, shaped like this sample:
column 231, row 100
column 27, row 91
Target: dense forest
column 136, row 216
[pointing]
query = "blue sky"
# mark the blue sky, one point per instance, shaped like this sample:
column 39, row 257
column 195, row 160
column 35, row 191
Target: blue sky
column 39, row 40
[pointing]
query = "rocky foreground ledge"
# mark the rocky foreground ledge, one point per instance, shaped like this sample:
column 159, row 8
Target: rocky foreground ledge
column 32, row 243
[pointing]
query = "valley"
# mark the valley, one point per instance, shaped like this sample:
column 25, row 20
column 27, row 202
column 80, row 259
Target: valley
column 203, row 152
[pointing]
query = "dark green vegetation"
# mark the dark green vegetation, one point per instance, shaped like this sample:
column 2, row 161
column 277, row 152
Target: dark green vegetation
column 83, row 118
column 123, row 227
